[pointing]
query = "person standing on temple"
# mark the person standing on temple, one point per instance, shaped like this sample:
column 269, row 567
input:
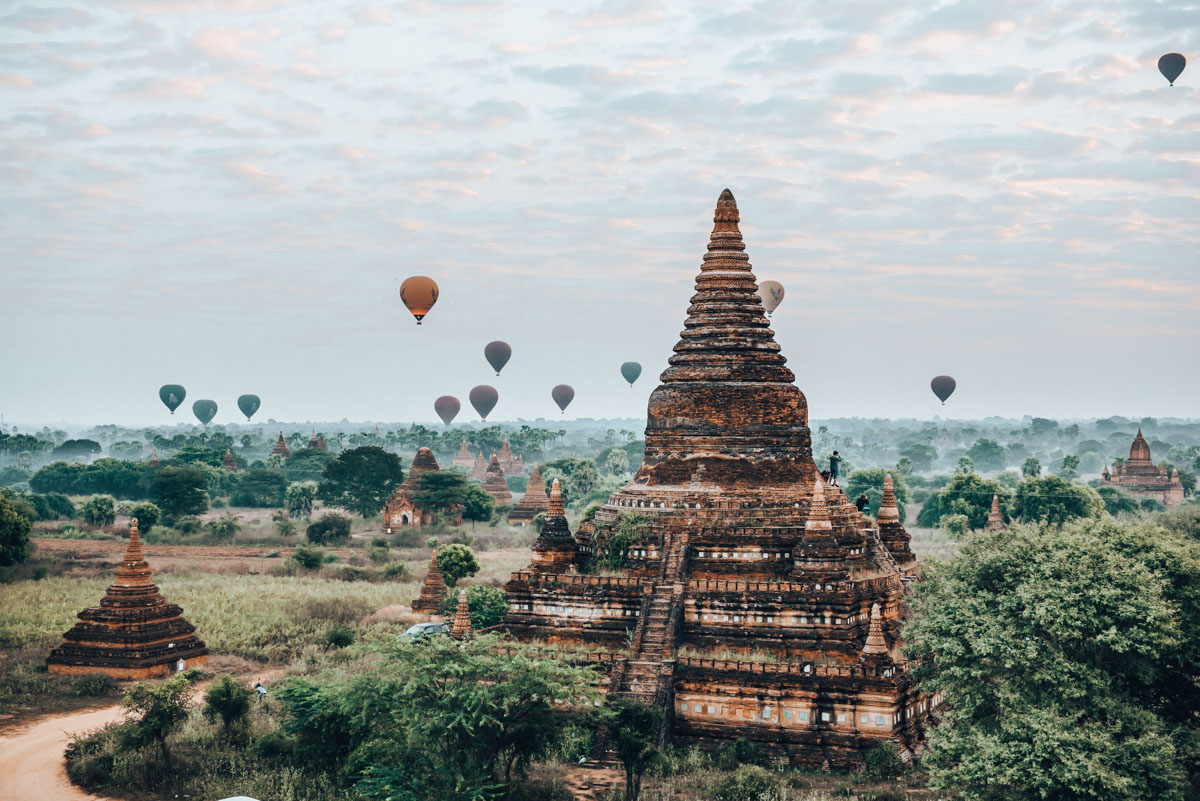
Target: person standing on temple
column 834, row 461
column 862, row 501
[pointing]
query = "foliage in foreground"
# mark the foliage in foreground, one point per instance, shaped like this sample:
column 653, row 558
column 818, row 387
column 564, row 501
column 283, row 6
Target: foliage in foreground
column 1070, row 659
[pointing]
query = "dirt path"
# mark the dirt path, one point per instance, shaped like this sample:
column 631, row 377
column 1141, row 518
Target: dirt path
column 31, row 758
column 584, row 782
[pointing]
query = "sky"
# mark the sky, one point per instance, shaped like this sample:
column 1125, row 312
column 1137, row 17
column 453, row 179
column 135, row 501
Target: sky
column 227, row 194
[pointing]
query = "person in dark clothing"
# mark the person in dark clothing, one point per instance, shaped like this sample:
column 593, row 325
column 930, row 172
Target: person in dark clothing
column 862, row 501
column 834, row 462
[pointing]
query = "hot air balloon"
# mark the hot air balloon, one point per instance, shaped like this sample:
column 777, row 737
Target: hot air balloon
column 771, row 293
column 249, row 404
column 497, row 353
column 419, row 294
column 172, row 396
column 447, row 408
column 563, row 394
column 1171, row 66
column 205, row 411
column 943, row 386
column 484, row 398
column 630, row 371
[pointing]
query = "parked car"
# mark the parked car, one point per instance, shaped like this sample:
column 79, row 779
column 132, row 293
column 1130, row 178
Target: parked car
column 424, row 631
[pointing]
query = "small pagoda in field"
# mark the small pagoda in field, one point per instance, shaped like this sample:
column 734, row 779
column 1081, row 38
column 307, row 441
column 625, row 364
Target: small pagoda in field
column 134, row 633
column 534, row 501
column 433, row 590
column 495, row 485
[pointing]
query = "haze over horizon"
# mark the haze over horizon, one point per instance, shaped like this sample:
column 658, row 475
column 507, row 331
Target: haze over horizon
column 227, row 195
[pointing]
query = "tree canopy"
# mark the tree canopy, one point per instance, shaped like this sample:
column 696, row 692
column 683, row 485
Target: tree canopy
column 869, row 481
column 361, row 479
column 440, row 491
column 1069, row 657
column 14, row 533
column 179, row 490
column 965, row 494
column 456, row 562
column 1056, row 500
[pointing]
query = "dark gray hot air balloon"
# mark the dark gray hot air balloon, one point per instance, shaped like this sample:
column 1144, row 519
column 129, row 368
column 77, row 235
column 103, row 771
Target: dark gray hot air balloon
column 172, row 396
column 630, row 371
column 447, row 408
column 205, row 411
column 563, row 394
column 1171, row 66
column 249, row 404
column 497, row 353
column 943, row 386
column 484, row 398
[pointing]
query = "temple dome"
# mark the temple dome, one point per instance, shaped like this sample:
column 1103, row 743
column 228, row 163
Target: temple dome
column 726, row 392
column 1139, row 451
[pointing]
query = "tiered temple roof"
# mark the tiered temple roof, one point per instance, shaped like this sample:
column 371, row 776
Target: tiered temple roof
column 533, row 502
column 401, row 509
column 732, row 545
column 281, row 448
column 463, row 458
column 433, row 590
column 229, row 464
column 1140, row 477
column 134, row 633
column 479, row 470
column 154, row 458
column 995, row 516
column 510, row 463
column 462, row 619
column 495, row 485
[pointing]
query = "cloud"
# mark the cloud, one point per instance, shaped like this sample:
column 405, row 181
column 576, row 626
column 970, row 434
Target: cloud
column 47, row 20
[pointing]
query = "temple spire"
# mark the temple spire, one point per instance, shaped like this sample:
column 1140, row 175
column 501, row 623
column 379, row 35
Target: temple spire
column 887, row 507
column 462, row 619
column 432, row 590
column 556, row 501
column 995, row 518
column 818, row 523
column 875, row 645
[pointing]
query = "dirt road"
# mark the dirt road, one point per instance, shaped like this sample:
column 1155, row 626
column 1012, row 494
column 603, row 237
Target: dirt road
column 31, row 757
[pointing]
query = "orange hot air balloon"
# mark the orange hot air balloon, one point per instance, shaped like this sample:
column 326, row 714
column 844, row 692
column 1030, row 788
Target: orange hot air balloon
column 419, row 293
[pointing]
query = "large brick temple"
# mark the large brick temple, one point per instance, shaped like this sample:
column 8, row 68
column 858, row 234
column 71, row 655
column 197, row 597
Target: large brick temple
column 134, row 633
column 1141, row 478
column 753, row 601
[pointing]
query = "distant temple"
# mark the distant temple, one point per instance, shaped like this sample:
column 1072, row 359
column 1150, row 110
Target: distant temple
column 281, row 448
column 229, row 464
column 154, row 458
column 401, row 509
column 752, row 600
column 134, row 633
column 995, row 517
column 1142, row 479
column 463, row 458
column 479, row 469
column 510, row 463
column 533, row 502
column 315, row 442
column 494, row 483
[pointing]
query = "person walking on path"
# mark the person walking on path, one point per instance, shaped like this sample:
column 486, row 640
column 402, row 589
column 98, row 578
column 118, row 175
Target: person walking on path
column 834, row 462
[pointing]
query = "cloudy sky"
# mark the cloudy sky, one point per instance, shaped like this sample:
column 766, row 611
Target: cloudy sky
column 227, row 194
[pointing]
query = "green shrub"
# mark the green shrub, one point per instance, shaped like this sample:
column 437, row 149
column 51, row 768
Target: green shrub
column 93, row 686
column 188, row 524
column 329, row 530
column 225, row 528
column 379, row 542
column 740, row 752
column 99, row 511
column 309, row 557
column 955, row 525
column 350, row 573
column 339, row 635
column 148, row 514
column 486, row 605
column 396, row 571
column 456, row 562
column 884, row 762
column 748, row 783
column 378, row 555
column 227, row 700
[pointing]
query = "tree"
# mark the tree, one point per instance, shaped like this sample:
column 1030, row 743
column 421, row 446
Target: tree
column 225, row 528
column 198, row 454
column 965, row 494
column 438, row 720
column 1117, row 501
column 965, row 465
column 987, row 454
column 478, row 505
column 227, row 700
column 147, row 514
column 99, row 510
column 577, row 477
column 14, row 533
column 299, row 498
column 921, row 454
column 1031, row 468
column 179, row 491
column 1069, row 659
column 1070, row 467
column 904, row 466
column 634, row 728
column 154, row 712
column 441, row 491
column 870, row 482
column 486, row 605
column 361, row 480
column 329, row 530
column 261, row 489
column 1055, row 500
column 456, row 562
column 76, row 449
column 307, row 464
